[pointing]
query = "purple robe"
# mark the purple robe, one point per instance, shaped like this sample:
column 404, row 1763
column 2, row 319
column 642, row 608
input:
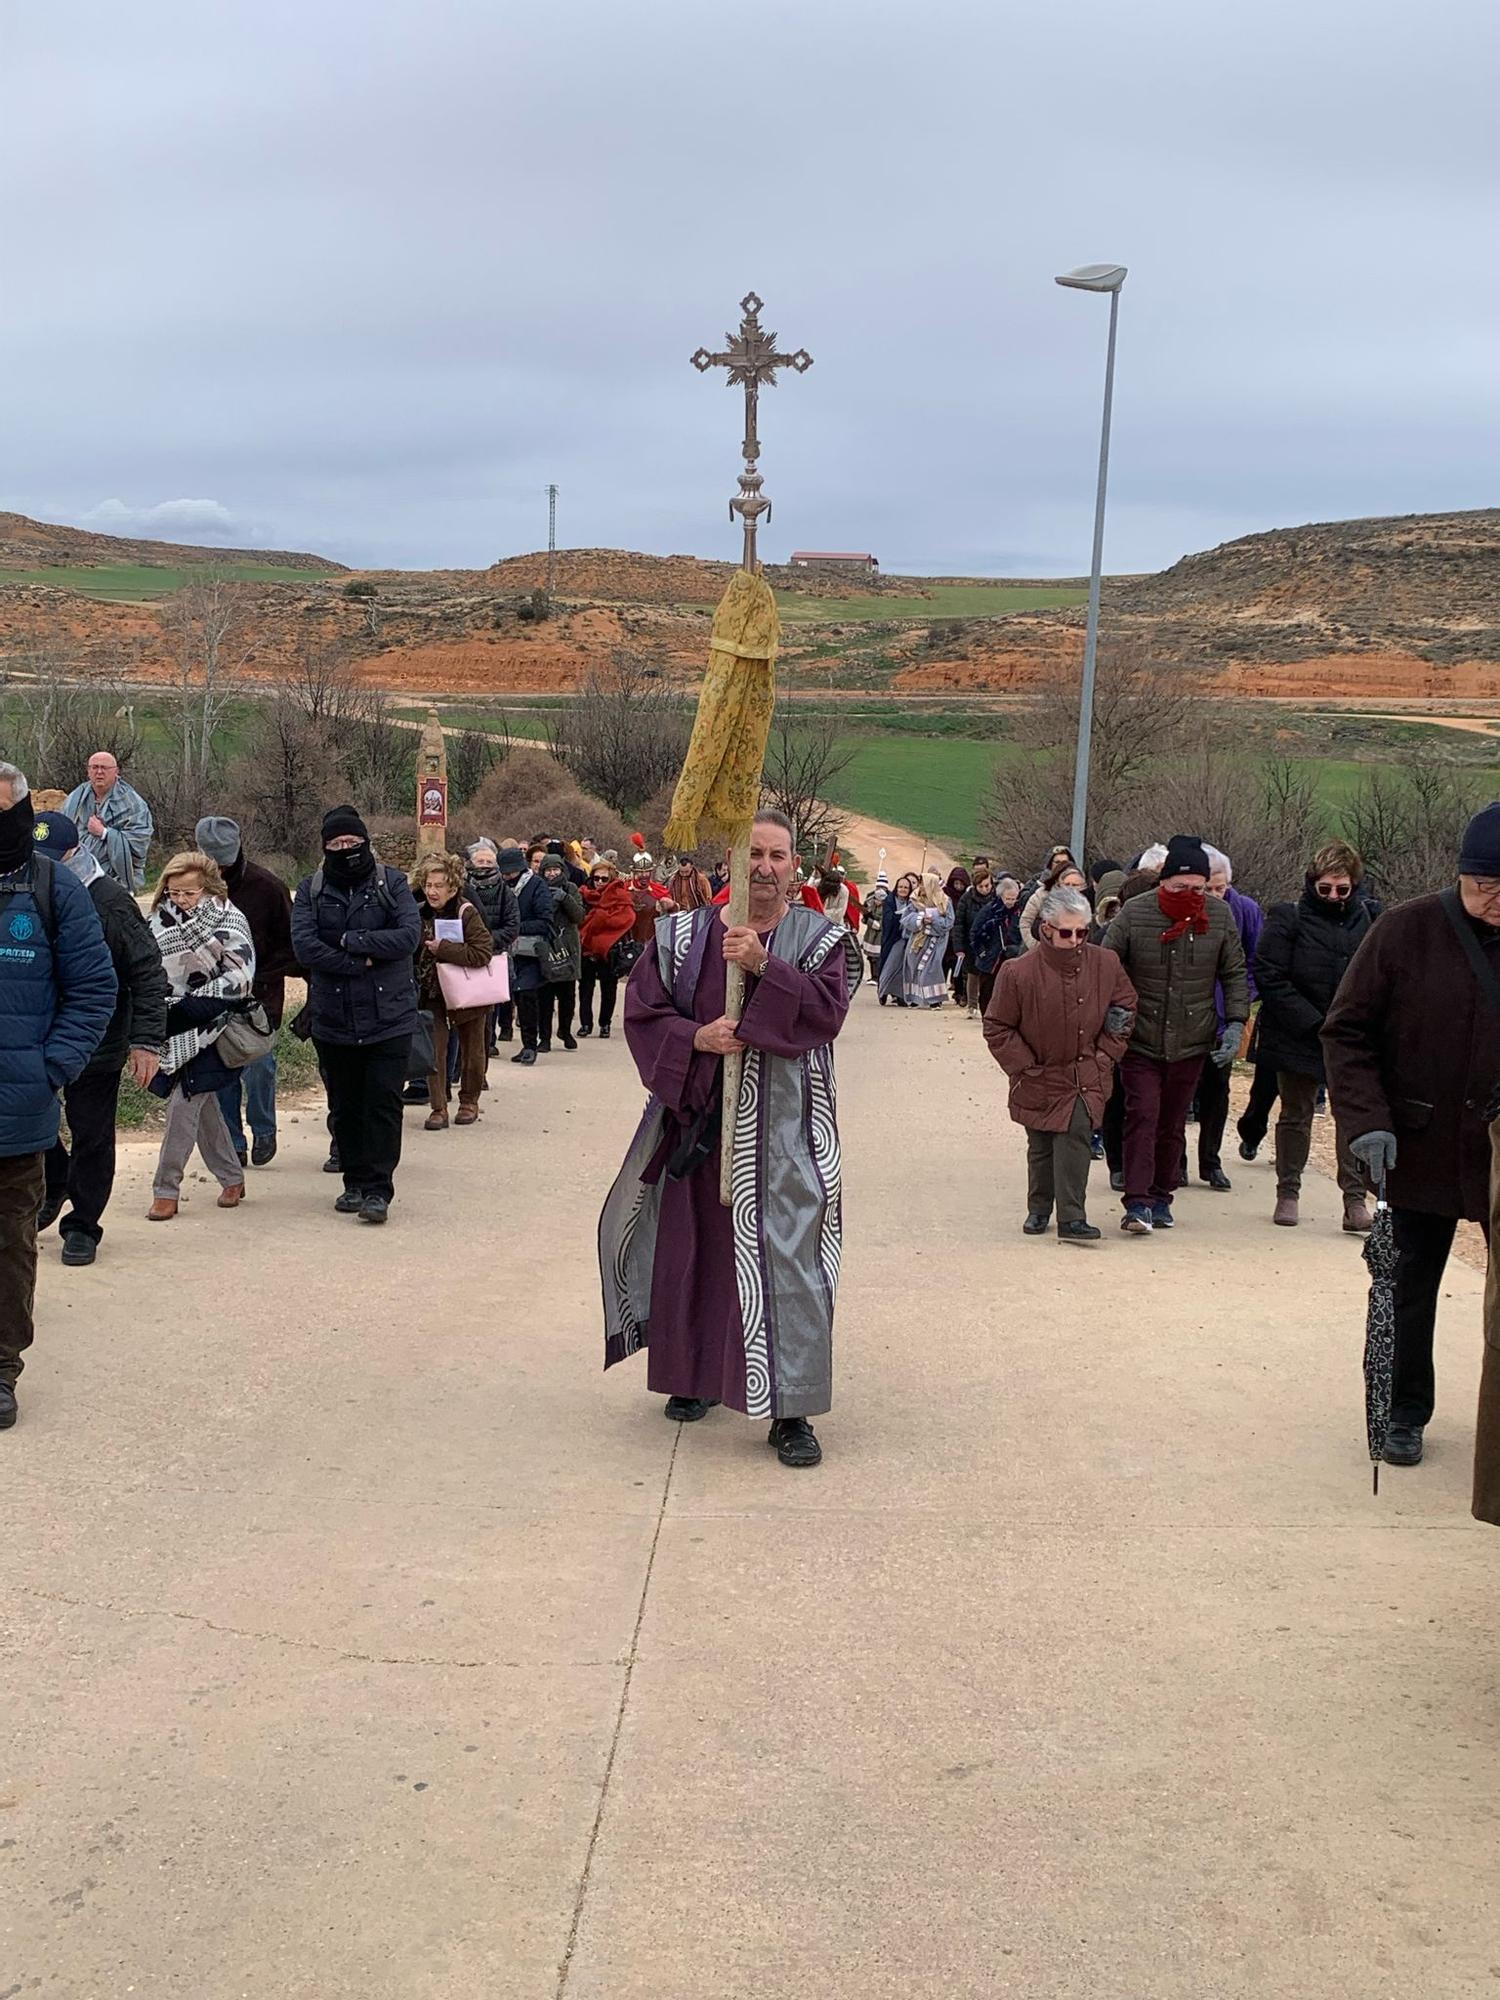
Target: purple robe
column 683, row 1274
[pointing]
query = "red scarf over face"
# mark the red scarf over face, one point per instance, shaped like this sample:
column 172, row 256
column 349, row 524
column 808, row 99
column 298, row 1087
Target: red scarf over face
column 1185, row 910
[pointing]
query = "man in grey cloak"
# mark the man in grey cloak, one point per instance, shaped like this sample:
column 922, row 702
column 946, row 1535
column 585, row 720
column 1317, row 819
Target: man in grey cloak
column 734, row 1305
column 113, row 821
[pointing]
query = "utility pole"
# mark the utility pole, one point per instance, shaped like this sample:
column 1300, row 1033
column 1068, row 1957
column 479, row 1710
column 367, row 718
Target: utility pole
column 551, row 542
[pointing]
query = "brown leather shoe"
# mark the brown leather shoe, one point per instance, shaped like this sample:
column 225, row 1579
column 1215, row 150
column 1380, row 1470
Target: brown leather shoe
column 232, row 1196
column 436, row 1121
column 468, row 1114
column 163, row 1209
column 1357, row 1217
column 1285, row 1213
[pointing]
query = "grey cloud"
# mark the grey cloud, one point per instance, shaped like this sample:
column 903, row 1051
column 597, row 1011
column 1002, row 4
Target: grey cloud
column 201, row 521
column 374, row 276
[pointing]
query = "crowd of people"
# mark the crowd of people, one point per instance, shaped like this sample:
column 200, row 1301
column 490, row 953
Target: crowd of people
column 1116, row 999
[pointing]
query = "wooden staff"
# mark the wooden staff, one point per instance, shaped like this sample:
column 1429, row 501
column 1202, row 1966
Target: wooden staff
column 734, row 1005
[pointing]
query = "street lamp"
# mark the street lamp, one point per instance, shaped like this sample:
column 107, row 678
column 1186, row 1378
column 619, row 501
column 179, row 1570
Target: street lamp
column 1093, row 278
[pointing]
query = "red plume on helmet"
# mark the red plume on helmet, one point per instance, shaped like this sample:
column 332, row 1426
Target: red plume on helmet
column 638, row 840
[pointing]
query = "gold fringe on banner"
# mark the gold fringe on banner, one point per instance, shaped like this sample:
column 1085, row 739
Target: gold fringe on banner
column 719, row 789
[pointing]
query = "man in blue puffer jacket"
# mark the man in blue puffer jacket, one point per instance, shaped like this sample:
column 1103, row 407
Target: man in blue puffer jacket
column 57, row 994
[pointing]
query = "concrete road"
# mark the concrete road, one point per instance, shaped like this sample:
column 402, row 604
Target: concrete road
column 362, row 1639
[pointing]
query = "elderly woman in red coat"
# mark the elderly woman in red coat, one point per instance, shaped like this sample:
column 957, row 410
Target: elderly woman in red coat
column 1058, row 1021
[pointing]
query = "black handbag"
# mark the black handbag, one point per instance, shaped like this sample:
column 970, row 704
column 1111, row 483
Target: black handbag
column 623, row 954
column 422, row 1060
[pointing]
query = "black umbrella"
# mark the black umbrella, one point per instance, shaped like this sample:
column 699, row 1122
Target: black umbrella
column 1380, row 1330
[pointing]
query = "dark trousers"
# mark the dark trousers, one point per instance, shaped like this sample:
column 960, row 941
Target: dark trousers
column 1157, row 1096
column 1256, row 1116
column 364, row 1108
column 559, row 993
column 1213, row 1114
column 1299, row 1095
column 505, row 1021
column 596, row 972
column 1112, row 1127
column 1422, row 1246
column 22, row 1180
column 87, row 1174
column 466, row 1042
column 978, row 986
column 529, row 1014
column 1057, row 1168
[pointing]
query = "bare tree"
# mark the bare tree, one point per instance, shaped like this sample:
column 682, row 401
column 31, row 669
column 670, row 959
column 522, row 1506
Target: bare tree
column 211, row 645
column 1408, row 823
column 54, row 718
column 625, row 733
column 1142, row 717
column 803, row 756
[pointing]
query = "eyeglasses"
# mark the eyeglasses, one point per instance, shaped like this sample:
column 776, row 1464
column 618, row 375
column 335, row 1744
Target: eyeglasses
column 1058, row 931
column 1334, row 892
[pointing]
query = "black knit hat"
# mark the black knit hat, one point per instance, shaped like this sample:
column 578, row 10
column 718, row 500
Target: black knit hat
column 1185, row 856
column 511, row 861
column 342, row 820
column 1481, row 849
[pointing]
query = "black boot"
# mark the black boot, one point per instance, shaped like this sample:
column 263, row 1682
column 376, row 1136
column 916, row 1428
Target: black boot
column 794, row 1443
column 1077, row 1232
column 689, row 1409
column 1403, row 1444
column 1036, row 1223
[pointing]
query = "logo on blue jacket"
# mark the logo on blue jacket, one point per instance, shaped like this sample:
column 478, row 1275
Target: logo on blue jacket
column 22, row 927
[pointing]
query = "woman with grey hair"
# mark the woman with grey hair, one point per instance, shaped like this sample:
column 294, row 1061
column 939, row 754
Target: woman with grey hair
column 1058, row 1021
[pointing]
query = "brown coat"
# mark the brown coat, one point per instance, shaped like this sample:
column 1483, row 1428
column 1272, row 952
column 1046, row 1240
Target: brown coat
column 1413, row 1047
column 1045, row 1027
column 477, row 949
column 1487, row 1423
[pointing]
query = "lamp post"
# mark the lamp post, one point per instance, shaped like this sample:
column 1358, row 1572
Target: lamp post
column 1093, row 278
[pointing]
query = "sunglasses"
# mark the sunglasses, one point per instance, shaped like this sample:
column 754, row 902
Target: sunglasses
column 1058, row 931
column 1334, row 892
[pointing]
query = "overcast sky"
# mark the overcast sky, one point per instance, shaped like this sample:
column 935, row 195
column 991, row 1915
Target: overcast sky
column 363, row 278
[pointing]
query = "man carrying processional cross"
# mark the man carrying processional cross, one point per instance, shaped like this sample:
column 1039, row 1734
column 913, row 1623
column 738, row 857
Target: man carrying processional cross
column 720, row 1241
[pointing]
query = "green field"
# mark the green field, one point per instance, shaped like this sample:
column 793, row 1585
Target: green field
column 137, row 583
column 945, row 600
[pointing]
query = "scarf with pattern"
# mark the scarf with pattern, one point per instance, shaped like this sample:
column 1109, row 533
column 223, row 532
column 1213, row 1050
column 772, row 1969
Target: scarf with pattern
column 206, row 953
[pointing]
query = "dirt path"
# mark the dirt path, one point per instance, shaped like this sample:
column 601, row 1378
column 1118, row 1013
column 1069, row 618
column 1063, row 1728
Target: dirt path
column 904, row 850
column 336, row 1567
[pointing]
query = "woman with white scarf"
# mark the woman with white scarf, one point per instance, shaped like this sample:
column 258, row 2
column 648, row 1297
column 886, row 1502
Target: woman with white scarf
column 209, row 961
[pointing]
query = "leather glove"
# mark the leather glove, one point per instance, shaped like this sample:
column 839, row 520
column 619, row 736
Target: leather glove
column 1376, row 1151
column 1118, row 1021
column 1229, row 1044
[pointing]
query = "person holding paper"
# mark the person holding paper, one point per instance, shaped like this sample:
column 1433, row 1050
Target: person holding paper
column 453, row 933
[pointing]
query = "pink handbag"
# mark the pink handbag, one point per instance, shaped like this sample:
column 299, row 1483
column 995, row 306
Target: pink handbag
column 477, row 985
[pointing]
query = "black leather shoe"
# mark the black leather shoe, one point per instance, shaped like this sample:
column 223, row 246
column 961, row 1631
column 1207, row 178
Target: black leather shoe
column 544, row 1048
column 1036, row 1223
column 794, row 1443
column 374, row 1208
column 79, row 1247
column 604, row 1034
column 350, row 1202
column 50, row 1210
column 7, row 1406
column 333, row 1164
column 1077, row 1232
column 1403, row 1444
column 1247, row 1151
column 569, row 1043
column 526, row 1056
column 584, row 1030
column 263, row 1151
column 1218, row 1180
column 689, row 1409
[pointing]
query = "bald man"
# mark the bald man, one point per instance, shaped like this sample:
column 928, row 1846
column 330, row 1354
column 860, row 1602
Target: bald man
column 113, row 821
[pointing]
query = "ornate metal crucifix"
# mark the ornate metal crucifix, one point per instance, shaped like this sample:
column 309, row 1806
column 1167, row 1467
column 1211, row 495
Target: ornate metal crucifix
column 752, row 361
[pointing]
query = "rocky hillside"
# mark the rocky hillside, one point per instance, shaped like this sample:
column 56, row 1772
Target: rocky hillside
column 28, row 544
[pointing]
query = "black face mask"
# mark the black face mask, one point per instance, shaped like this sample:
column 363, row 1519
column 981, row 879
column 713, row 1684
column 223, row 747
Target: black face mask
column 17, row 823
column 346, row 867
